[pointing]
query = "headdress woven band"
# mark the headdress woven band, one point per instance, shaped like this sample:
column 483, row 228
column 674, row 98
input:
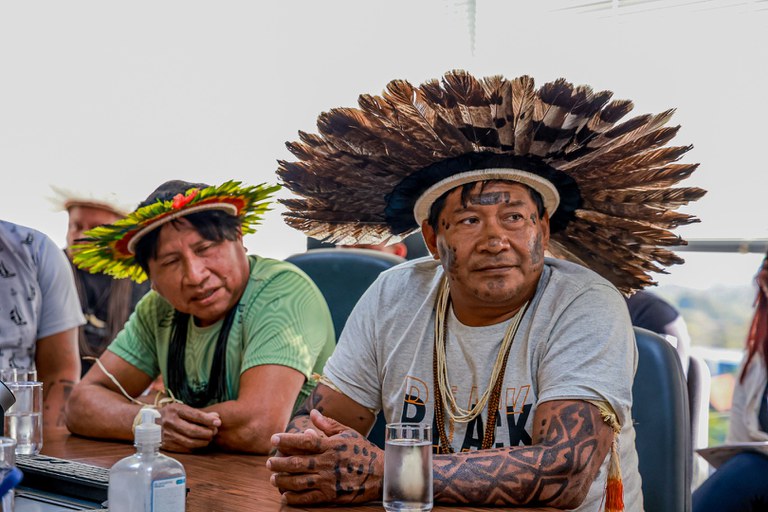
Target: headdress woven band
column 110, row 248
column 371, row 169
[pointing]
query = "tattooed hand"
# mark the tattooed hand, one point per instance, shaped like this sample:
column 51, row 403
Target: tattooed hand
column 330, row 463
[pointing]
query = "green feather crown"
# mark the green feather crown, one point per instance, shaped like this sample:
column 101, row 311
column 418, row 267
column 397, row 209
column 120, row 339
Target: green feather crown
column 110, row 248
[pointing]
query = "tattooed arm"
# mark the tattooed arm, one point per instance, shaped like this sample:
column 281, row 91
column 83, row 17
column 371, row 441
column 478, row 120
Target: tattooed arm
column 321, row 460
column 342, row 408
column 570, row 442
column 58, row 367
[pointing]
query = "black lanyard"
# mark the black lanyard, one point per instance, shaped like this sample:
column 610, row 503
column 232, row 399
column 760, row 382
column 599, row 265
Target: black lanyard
column 216, row 389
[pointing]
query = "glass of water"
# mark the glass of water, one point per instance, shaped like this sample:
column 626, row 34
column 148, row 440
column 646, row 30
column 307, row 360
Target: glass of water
column 24, row 419
column 18, row 374
column 7, row 461
column 408, row 467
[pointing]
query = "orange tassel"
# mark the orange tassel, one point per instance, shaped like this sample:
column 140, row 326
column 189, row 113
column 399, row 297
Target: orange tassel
column 614, row 488
column 614, row 495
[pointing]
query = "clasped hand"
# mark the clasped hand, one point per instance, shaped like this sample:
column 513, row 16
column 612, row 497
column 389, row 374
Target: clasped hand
column 327, row 463
column 186, row 428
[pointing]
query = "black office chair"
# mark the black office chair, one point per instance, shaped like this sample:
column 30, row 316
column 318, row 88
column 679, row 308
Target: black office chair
column 661, row 414
column 699, row 383
column 414, row 243
column 343, row 275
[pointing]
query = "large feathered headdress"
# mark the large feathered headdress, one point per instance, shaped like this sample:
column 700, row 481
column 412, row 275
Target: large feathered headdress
column 373, row 172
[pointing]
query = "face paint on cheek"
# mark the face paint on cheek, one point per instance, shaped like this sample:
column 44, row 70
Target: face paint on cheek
column 537, row 253
column 488, row 198
column 447, row 256
column 480, row 293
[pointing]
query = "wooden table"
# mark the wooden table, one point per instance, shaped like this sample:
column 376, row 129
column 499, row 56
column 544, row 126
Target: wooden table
column 218, row 482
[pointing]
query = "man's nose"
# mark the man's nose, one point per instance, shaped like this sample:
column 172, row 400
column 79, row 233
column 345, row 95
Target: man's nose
column 195, row 271
column 495, row 238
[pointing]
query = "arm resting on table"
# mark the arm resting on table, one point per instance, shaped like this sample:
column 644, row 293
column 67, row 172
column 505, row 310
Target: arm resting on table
column 57, row 360
column 570, row 442
column 263, row 407
column 97, row 408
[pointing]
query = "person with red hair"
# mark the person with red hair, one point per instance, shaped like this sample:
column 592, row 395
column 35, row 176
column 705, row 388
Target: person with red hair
column 741, row 483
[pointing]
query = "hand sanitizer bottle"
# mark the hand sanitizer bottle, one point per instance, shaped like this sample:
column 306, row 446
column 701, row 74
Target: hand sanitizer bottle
column 148, row 481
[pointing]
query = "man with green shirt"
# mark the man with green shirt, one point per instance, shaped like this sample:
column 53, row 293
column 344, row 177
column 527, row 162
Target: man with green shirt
column 236, row 338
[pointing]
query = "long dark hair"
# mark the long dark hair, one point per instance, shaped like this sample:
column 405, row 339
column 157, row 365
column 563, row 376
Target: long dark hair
column 757, row 339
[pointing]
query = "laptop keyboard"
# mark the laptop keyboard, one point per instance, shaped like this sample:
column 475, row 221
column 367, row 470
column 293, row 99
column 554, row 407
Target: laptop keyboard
column 62, row 476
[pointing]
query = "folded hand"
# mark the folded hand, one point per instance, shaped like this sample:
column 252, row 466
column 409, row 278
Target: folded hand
column 330, row 463
column 186, row 428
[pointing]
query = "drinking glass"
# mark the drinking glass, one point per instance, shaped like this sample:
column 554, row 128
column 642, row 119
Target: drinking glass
column 24, row 419
column 7, row 460
column 408, row 467
column 18, row 374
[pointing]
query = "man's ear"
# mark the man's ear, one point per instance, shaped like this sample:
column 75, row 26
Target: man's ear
column 400, row 249
column 240, row 238
column 430, row 239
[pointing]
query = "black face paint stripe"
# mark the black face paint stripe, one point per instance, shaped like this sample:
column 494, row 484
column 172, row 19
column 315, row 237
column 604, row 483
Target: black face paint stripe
column 489, row 198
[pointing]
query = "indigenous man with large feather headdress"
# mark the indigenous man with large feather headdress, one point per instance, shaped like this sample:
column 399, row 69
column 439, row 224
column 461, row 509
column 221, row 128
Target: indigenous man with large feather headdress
column 522, row 363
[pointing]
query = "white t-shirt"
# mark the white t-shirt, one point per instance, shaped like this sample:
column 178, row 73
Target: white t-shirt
column 37, row 293
column 574, row 342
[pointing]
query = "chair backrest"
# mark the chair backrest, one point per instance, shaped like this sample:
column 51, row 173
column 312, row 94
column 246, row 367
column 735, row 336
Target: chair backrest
column 343, row 275
column 660, row 411
column 414, row 242
column 699, row 383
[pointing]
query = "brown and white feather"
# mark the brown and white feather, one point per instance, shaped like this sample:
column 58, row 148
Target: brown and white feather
column 625, row 171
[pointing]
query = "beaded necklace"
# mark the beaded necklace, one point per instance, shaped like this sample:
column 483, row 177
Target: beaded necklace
column 443, row 389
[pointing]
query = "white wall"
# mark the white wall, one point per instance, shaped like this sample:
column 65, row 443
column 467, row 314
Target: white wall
column 125, row 95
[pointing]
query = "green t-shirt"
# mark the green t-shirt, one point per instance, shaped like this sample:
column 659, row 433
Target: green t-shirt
column 281, row 319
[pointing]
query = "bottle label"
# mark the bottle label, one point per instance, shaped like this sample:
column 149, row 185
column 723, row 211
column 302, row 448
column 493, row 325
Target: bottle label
column 169, row 494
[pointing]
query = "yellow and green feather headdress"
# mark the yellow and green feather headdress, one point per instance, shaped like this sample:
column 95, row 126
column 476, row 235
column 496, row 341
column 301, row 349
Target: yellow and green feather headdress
column 110, row 248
